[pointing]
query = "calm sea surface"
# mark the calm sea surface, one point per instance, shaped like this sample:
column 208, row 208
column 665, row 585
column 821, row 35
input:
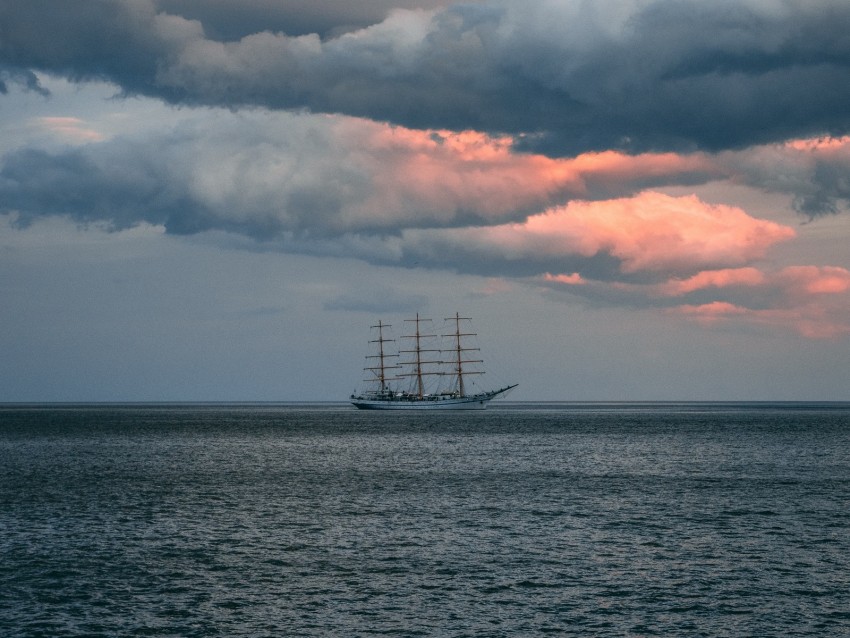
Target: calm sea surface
column 525, row 519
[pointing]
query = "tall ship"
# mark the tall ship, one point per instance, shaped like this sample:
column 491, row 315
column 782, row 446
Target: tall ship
column 428, row 372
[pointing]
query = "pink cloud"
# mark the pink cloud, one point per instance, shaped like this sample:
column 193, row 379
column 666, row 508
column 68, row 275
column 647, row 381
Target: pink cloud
column 819, row 144
column 812, row 322
column 573, row 279
column 812, row 300
column 653, row 231
column 712, row 311
column 649, row 232
column 448, row 171
column 713, row 279
column 815, row 280
column 611, row 168
column 71, row 129
column 379, row 176
column 431, row 177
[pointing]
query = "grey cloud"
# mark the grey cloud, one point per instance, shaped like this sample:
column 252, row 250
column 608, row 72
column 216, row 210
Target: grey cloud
column 234, row 19
column 187, row 181
column 816, row 179
column 21, row 77
column 669, row 74
column 601, row 266
column 828, row 191
column 123, row 189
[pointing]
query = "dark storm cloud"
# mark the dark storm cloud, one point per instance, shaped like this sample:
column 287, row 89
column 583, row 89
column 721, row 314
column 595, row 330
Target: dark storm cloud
column 234, row 19
column 572, row 76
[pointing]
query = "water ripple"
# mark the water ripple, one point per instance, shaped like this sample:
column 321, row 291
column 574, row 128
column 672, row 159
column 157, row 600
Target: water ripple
column 269, row 521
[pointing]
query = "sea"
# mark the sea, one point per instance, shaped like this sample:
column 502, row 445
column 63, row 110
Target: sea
column 527, row 519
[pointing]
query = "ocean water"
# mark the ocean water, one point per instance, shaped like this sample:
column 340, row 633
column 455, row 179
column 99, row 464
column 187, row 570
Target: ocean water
column 522, row 520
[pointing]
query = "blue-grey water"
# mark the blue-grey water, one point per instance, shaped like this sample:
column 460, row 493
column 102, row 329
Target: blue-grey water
column 523, row 520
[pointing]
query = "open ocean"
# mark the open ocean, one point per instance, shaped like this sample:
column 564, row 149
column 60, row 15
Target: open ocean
column 521, row 520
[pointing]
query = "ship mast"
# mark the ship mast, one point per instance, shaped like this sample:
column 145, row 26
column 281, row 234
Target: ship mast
column 459, row 351
column 380, row 370
column 418, row 362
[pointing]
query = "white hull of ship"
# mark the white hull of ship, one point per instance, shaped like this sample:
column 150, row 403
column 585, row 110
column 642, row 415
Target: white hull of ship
column 467, row 403
column 471, row 402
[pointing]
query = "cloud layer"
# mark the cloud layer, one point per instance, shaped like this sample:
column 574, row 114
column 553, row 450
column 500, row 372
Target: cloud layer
column 569, row 77
column 527, row 141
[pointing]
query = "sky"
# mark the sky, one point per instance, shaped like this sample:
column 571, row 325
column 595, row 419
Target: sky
column 634, row 199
